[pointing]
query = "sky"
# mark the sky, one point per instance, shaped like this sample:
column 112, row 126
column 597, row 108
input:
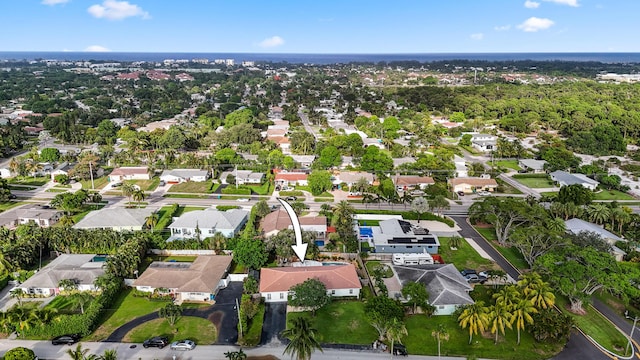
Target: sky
column 321, row 26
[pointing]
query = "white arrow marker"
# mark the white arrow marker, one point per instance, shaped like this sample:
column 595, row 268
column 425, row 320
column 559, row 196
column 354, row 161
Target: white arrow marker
column 299, row 248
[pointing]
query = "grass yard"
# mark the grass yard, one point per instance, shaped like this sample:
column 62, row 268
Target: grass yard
column 145, row 185
column 65, row 305
column 338, row 319
column 369, row 222
column 193, row 187
column 22, row 187
column 125, row 308
column 421, row 342
column 535, row 182
column 186, row 196
column 186, row 209
column 509, row 164
column 202, row 331
column 506, row 188
column 324, row 197
column 612, row 195
column 595, row 325
column 510, row 253
column 264, row 189
column 98, row 183
column 30, row 181
column 372, row 264
column 463, row 258
column 10, row 205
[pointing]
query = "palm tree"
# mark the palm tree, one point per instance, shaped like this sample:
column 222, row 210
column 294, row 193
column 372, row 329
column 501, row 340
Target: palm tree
column 302, row 339
column 235, row 355
column 537, row 291
column 67, row 285
column 217, row 242
column 556, row 225
column 396, row 331
column 18, row 294
column 152, row 220
column 621, row 216
column 438, row 203
column 45, row 316
column 521, row 314
column 598, row 213
column 109, row 354
column 81, row 298
column 440, row 333
column 507, row 296
column 15, row 164
column 406, row 199
column 79, row 353
column 499, row 317
column 128, row 189
column 474, row 317
column 33, row 167
column 67, row 221
column 22, row 318
column 138, row 196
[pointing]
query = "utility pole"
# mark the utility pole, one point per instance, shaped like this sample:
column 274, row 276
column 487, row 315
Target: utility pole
column 239, row 321
column 635, row 320
column 236, row 177
column 91, row 174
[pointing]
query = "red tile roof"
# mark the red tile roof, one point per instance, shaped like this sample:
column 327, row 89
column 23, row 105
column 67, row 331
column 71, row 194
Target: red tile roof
column 333, row 277
column 130, row 170
column 291, row 176
column 279, row 220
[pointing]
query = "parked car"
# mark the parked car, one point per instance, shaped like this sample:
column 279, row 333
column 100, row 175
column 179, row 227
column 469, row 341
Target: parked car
column 466, row 272
column 183, row 345
column 162, row 183
column 475, row 278
column 118, row 184
column 68, row 339
column 291, row 198
column 243, row 200
column 12, row 196
column 157, row 341
column 484, row 193
column 399, row 349
column 460, row 193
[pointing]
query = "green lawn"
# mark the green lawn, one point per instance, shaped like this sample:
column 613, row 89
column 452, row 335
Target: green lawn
column 421, row 342
column 10, row 205
column 31, row 181
column 597, row 326
column 98, row 183
column 264, row 189
column 186, row 209
column 324, row 197
column 369, row 222
column 145, row 185
column 201, row 331
column 186, row 196
column 463, row 258
column 203, row 187
column 125, row 308
column 341, row 322
column 612, row 195
column 372, row 264
column 509, row 164
column 510, row 253
column 535, row 182
column 22, row 187
column 64, row 305
column 506, row 188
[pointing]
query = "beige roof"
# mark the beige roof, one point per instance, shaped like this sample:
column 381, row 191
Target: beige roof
column 129, row 170
column 279, row 220
column 202, row 275
column 407, row 180
column 333, row 277
column 474, row 181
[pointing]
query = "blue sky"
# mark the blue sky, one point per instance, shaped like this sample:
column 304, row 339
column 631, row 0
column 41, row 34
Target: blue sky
column 321, row 26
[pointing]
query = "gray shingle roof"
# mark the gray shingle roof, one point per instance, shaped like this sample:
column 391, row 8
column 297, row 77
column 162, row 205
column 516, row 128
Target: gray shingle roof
column 533, row 164
column 210, row 219
column 577, row 226
column 113, row 217
column 66, row 266
column 185, row 173
column 570, row 179
column 445, row 284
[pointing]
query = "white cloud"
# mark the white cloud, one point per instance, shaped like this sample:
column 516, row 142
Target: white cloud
column 534, row 24
column 273, row 41
column 117, row 10
column 477, row 36
column 502, row 28
column 54, row 2
column 531, row 4
column 573, row 3
column 96, row 48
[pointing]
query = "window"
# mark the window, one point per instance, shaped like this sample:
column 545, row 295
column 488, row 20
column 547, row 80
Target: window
column 350, row 291
column 441, row 307
column 333, row 292
column 268, row 296
column 281, row 295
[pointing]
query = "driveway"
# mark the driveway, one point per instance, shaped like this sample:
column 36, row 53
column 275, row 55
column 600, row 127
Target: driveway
column 222, row 314
column 275, row 320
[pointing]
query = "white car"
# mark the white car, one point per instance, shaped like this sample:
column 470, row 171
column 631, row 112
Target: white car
column 243, row 200
column 182, row 345
column 484, row 193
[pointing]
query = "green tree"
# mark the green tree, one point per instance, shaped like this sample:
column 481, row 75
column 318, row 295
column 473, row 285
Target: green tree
column 420, row 206
column 79, row 353
column 50, row 155
column 251, row 253
column 440, row 333
column 475, row 317
column 498, row 317
column 537, row 291
column 465, row 140
column 235, row 355
column 312, row 294
column 396, row 331
column 302, row 339
column 438, row 203
column 171, row 312
column 374, row 160
column 576, row 194
column 109, row 354
column 319, row 181
column 380, row 311
column 20, row 353
column 416, row 295
column 329, row 157
column 521, row 314
column 18, row 294
column 81, row 298
column 151, row 221
column 261, row 208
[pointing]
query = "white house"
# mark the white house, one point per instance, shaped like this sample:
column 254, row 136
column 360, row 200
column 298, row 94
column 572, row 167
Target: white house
column 576, row 226
column 532, row 165
column 291, row 179
column 352, row 177
column 472, row 184
column 129, row 173
column 208, row 222
column 400, row 236
column 484, row 142
column 36, row 214
column 5, row 173
column 118, row 219
column 340, row 280
column 564, row 178
column 83, row 269
column 461, row 166
column 304, row 161
column 177, row 176
column 185, row 281
column 410, row 182
column 243, row 177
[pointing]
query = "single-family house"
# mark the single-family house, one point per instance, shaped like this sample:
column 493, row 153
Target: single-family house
column 564, row 178
column 177, row 176
column 400, row 236
column 447, row 288
column 62, row 169
column 36, row 214
column 199, row 280
column 461, row 166
column 352, row 177
column 576, row 226
column 279, row 220
column 83, row 269
column 129, row 173
column 340, row 280
column 410, row 182
column 118, row 219
column 242, row 177
column 484, row 142
column 397, row 162
column 303, row 161
column 532, row 165
column 472, row 184
column 208, row 222
column 291, row 179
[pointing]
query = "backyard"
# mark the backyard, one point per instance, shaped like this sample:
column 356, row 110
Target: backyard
column 465, row 257
column 612, row 195
column 201, row 331
column 508, row 164
column 98, row 183
column 534, row 182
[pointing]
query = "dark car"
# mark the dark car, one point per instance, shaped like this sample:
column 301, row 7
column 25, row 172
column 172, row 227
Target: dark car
column 399, row 349
column 466, row 272
column 12, row 196
column 68, row 339
column 158, row 341
column 291, row 198
column 460, row 193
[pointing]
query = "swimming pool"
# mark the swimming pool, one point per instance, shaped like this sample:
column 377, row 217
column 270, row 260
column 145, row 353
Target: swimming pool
column 99, row 258
column 333, row 263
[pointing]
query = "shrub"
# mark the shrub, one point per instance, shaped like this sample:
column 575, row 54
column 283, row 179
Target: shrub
column 20, row 353
column 226, row 207
column 239, row 191
column 291, row 193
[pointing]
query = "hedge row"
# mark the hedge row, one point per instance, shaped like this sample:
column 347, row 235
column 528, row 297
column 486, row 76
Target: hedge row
column 408, row 215
column 4, row 280
column 525, row 176
column 167, row 217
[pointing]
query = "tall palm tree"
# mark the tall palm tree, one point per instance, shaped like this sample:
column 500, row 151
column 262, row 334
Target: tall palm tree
column 15, row 164
column 537, row 291
column 556, row 225
column 521, row 314
column 18, row 294
column 79, row 353
column 396, row 331
column 507, row 296
column 128, row 189
column 109, row 354
column 22, row 318
column 598, row 213
column 620, row 216
column 302, row 339
column 138, row 196
column 81, row 298
column 475, row 317
column 151, row 221
column 440, row 333
column 499, row 317
column 67, row 221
